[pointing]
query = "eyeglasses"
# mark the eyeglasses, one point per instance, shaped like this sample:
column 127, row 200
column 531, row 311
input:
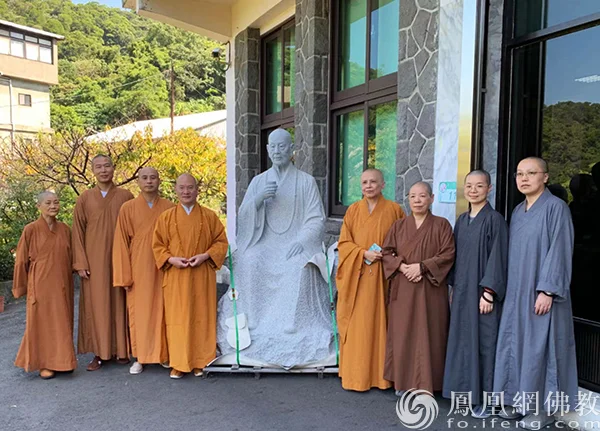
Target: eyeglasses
column 522, row 175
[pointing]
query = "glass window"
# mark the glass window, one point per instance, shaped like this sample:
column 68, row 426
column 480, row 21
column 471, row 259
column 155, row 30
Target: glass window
column 4, row 45
column 4, row 32
column 278, row 85
column 557, row 116
column 31, row 39
column 273, row 78
column 24, row 99
column 32, row 51
column 16, row 35
column 351, row 130
column 17, row 48
column 534, row 15
column 384, row 38
column 382, row 144
column 380, row 150
column 46, row 54
column 279, row 62
column 289, row 67
column 45, row 42
column 353, row 43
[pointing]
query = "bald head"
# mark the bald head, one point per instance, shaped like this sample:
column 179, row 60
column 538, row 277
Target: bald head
column 186, row 188
column 148, row 171
column 482, row 173
column 186, row 179
column 422, row 186
column 149, row 180
column 542, row 164
column 375, row 172
column 280, row 135
column 45, row 195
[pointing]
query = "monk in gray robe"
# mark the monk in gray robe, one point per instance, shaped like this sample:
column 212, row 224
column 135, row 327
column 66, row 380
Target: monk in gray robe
column 418, row 253
column 281, row 223
column 536, row 342
column 478, row 282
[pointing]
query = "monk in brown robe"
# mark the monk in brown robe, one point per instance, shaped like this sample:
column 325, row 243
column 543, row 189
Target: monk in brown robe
column 43, row 273
column 102, row 314
column 417, row 257
column 362, row 287
column 189, row 247
column 134, row 269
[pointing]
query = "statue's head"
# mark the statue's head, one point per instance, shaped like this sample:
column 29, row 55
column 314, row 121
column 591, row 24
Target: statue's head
column 280, row 147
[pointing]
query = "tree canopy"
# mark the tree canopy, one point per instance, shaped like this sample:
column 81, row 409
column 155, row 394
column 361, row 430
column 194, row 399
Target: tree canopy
column 114, row 65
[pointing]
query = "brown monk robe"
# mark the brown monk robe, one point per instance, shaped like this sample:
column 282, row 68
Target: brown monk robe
column 362, row 288
column 418, row 254
column 102, row 316
column 43, row 273
column 189, row 246
column 134, row 269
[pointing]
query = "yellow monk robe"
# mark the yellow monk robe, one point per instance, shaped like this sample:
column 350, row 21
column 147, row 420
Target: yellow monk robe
column 134, row 266
column 43, row 273
column 190, row 294
column 362, row 293
column 102, row 314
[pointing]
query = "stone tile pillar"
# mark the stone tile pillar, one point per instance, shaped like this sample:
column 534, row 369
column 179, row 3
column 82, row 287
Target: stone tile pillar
column 247, row 109
column 312, row 111
column 417, row 92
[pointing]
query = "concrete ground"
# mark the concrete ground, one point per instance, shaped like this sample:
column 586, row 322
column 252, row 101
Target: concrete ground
column 112, row 399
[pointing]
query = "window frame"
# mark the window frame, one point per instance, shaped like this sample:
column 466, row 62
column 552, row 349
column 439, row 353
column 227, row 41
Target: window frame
column 383, row 84
column 269, row 121
column 361, row 97
column 23, row 99
column 25, row 38
column 285, row 117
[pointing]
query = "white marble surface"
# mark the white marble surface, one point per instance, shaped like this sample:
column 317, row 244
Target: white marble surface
column 448, row 102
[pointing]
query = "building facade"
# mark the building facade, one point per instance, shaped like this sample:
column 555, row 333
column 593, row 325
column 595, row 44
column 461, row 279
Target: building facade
column 28, row 67
column 423, row 90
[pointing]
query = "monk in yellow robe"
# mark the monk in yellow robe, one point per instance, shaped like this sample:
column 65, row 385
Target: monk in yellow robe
column 362, row 288
column 189, row 247
column 102, row 316
column 43, row 273
column 134, row 269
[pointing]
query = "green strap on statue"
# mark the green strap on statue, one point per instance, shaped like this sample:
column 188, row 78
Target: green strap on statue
column 332, row 307
column 235, row 315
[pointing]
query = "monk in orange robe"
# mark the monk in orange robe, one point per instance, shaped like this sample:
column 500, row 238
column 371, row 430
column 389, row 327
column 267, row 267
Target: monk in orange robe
column 43, row 273
column 134, row 269
column 418, row 253
column 190, row 246
column 102, row 315
column 362, row 288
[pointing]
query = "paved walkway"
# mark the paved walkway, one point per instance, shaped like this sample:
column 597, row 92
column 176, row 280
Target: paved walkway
column 112, row 399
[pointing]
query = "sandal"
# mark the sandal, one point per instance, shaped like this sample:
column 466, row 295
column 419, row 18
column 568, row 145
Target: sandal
column 46, row 374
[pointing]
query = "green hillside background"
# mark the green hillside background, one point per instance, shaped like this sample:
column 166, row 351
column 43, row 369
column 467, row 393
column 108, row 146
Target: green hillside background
column 114, row 65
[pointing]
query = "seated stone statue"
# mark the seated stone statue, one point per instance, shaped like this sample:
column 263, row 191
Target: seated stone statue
column 283, row 301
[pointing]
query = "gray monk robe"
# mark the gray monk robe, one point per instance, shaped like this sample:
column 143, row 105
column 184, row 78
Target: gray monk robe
column 537, row 353
column 286, row 304
column 417, row 312
column 481, row 258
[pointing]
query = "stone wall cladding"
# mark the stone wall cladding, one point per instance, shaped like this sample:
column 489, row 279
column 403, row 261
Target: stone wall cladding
column 491, row 116
column 312, row 78
column 247, row 109
column 417, row 92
